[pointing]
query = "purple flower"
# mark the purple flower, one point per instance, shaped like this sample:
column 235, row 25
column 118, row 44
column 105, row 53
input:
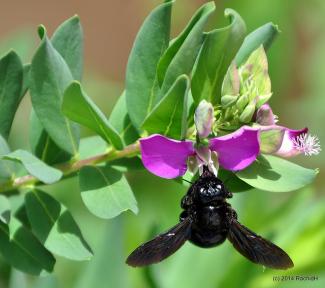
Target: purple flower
column 168, row 158
column 292, row 142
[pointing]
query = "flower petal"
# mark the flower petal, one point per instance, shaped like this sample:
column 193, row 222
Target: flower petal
column 287, row 148
column 165, row 157
column 237, row 150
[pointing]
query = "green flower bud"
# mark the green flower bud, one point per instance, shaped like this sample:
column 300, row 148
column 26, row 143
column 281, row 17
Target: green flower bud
column 228, row 100
column 247, row 115
column 204, row 118
column 242, row 102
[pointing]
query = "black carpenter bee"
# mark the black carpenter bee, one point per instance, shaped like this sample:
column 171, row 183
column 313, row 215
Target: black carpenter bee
column 207, row 220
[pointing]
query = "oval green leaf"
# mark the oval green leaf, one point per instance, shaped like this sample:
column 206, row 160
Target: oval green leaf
column 169, row 117
column 49, row 77
column 55, row 227
column 264, row 35
column 121, row 121
column 105, row 191
column 23, row 251
column 176, row 43
column 184, row 59
column 219, row 49
column 149, row 45
column 34, row 166
column 68, row 41
column 11, row 82
column 274, row 174
column 81, row 109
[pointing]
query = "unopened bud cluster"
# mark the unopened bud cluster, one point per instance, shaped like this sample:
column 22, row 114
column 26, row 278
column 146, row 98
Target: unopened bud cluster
column 245, row 89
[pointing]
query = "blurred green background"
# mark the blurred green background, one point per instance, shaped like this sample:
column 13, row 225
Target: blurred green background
column 294, row 221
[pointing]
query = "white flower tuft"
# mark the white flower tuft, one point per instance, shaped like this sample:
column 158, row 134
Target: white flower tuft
column 307, row 144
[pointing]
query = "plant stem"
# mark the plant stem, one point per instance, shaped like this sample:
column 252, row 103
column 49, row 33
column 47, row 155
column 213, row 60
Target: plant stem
column 69, row 168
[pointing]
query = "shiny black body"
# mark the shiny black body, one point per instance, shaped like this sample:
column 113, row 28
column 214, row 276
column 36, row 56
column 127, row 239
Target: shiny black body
column 207, row 220
column 205, row 203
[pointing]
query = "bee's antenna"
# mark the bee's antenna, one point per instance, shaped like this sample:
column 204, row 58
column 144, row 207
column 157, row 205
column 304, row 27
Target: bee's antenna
column 187, row 181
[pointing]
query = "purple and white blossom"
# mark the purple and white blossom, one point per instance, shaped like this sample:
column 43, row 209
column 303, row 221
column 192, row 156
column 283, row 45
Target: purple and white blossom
column 293, row 142
column 168, row 158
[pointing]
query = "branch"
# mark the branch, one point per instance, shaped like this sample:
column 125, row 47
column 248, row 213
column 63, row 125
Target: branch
column 69, row 168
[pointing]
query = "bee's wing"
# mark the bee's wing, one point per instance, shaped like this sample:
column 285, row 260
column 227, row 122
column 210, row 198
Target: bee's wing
column 161, row 246
column 256, row 248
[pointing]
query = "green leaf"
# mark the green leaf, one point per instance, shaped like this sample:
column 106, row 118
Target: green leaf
column 219, row 49
column 26, row 83
column 23, row 251
column 176, row 43
column 49, row 77
column 92, row 146
column 7, row 168
column 270, row 173
column 169, row 116
column 184, row 60
column 34, row 166
column 68, row 41
column 264, row 35
column 55, row 227
column 149, row 45
column 105, row 191
column 11, row 81
column 4, row 209
column 42, row 145
column 80, row 108
column 120, row 120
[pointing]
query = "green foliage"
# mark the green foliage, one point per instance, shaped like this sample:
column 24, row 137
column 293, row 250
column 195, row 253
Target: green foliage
column 120, row 120
column 34, row 166
column 165, row 80
column 270, row 173
column 68, row 41
column 141, row 79
column 218, row 50
column 22, row 250
column 169, row 116
column 49, row 77
column 11, row 81
column 4, row 209
column 79, row 107
column 185, row 57
column 55, row 227
column 105, row 192
column 263, row 35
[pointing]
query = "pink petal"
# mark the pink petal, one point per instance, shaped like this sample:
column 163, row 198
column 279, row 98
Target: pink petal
column 287, row 148
column 237, row 150
column 164, row 157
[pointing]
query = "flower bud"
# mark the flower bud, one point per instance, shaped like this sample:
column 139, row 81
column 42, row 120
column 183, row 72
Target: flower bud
column 242, row 102
column 228, row 100
column 265, row 116
column 248, row 113
column 204, row 118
